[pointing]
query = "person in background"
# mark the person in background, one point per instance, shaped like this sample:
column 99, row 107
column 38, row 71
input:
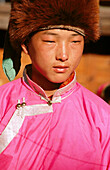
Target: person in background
column 104, row 92
column 48, row 121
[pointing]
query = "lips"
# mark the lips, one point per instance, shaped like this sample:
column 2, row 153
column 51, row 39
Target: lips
column 60, row 69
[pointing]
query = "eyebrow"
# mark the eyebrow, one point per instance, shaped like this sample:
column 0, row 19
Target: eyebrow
column 75, row 34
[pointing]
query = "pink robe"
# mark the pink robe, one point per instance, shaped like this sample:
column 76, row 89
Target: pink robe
column 71, row 132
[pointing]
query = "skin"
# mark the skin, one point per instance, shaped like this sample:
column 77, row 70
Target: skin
column 55, row 54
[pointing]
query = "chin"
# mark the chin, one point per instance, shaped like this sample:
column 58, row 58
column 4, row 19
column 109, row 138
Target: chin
column 59, row 78
column 59, row 81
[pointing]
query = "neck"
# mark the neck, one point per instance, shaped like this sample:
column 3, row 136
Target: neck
column 48, row 87
column 45, row 84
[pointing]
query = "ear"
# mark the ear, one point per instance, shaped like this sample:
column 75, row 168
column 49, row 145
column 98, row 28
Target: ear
column 24, row 48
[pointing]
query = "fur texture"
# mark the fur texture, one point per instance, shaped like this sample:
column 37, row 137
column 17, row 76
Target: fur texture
column 28, row 16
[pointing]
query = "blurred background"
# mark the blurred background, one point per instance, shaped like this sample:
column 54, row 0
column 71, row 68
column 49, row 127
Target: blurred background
column 94, row 69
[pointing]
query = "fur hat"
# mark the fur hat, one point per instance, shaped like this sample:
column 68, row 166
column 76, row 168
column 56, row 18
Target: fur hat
column 30, row 16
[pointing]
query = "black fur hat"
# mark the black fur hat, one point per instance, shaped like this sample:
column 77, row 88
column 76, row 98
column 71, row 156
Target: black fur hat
column 29, row 16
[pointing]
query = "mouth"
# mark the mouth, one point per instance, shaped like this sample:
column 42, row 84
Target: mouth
column 60, row 69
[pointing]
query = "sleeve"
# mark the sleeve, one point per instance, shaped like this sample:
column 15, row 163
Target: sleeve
column 8, row 93
column 102, row 122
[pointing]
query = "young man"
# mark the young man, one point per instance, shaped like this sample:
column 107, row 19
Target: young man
column 48, row 120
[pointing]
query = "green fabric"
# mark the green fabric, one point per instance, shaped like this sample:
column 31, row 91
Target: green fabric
column 8, row 69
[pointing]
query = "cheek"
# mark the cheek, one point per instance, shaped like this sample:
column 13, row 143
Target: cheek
column 41, row 61
column 38, row 55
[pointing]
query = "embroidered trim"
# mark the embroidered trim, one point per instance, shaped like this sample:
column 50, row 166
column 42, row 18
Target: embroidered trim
column 65, row 27
column 16, row 121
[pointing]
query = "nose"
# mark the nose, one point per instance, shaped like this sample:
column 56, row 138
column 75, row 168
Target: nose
column 62, row 52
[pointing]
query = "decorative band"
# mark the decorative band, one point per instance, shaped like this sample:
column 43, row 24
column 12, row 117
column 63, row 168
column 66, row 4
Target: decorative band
column 64, row 27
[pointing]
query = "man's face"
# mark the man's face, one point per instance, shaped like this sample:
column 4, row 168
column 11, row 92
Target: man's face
column 55, row 54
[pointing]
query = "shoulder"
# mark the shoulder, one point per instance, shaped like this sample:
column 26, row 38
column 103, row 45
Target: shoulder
column 9, row 94
column 10, row 85
column 89, row 95
column 95, row 108
column 11, row 89
column 91, row 99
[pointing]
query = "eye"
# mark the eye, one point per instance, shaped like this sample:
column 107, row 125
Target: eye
column 48, row 41
column 76, row 41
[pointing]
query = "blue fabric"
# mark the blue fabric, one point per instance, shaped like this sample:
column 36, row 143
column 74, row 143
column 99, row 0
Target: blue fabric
column 8, row 69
